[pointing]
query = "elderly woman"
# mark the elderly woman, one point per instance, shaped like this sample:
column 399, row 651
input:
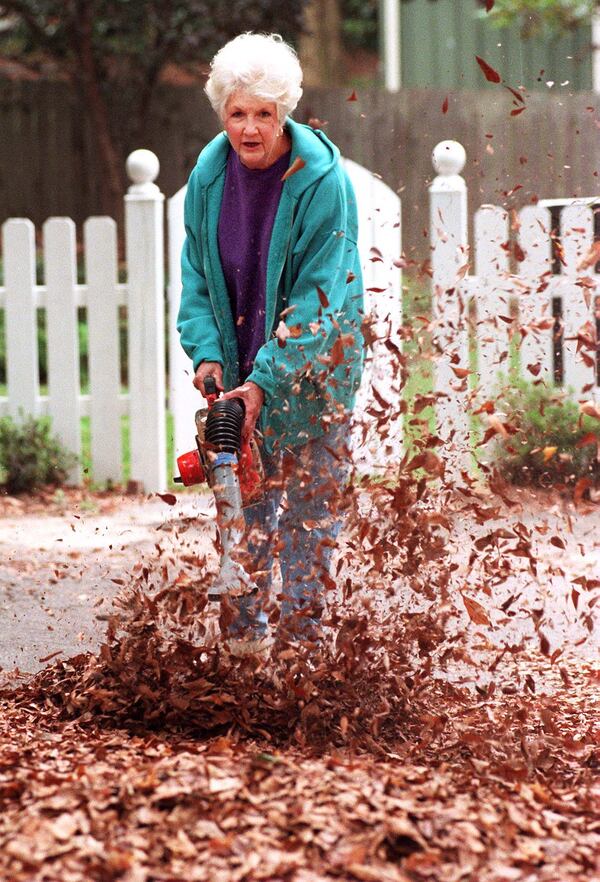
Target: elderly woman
column 271, row 308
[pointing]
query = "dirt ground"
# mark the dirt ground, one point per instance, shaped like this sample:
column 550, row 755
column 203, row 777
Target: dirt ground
column 63, row 559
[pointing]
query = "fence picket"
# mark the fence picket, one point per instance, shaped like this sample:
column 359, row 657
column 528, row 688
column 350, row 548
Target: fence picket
column 535, row 307
column 380, row 243
column 62, row 335
column 20, row 317
column 146, row 322
column 492, row 295
column 579, row 359
column 449, row 257
column 100, row 236
column 184, row 399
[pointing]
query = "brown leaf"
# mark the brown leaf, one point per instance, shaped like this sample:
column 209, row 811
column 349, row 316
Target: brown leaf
column 445, row 105
column 323, row 299
column 169, row 498
column 296, row 166
column 491, row 75
column 476, row 612
column 589, row 408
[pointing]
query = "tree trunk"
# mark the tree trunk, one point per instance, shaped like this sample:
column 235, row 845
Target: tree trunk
column 113, row 180
column 321, row 52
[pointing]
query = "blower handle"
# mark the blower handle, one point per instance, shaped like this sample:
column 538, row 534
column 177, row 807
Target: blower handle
column 210, row 390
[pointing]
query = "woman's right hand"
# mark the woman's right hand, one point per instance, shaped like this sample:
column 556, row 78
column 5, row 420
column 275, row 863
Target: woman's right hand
column 208, row 369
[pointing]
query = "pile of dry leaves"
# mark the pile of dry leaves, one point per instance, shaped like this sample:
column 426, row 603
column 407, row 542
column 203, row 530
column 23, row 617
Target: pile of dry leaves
column 163, row 758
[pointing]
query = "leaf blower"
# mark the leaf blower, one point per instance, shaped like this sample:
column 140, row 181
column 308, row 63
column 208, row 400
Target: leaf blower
column 234, row 473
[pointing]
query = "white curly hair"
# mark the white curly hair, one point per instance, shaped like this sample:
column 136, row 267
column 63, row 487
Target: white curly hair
column 261, row 65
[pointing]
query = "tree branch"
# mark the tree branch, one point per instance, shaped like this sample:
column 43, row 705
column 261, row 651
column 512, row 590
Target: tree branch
column 27, row 16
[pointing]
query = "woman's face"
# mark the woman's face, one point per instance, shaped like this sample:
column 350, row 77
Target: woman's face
column 253, row 129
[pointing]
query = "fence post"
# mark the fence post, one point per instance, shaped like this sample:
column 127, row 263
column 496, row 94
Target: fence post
column 146, row 321
column 449, row 259
column 20, row 318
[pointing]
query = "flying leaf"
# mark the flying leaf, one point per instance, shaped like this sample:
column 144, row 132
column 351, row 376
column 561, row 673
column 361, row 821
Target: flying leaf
column 592, row 257
column 489, row 5
column 169, row 498
column 282, row 333
column 590, row 409
column 491, row 75
column 296, row 165
column 476, row 612
column 445, row 105
column 323, row 299
column 353, row 96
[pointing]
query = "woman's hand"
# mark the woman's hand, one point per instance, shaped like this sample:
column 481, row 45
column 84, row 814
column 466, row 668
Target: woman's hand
column 208, row 369
column 253, row 398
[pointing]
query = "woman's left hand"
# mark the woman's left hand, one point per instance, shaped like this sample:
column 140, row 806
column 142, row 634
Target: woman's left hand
column 253, row 398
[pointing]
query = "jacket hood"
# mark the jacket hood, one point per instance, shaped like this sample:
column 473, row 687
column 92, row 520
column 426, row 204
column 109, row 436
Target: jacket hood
column 312, row 146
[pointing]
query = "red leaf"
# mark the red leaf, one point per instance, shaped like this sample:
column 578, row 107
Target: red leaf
column 557, row 542
column 322, row 298
column 296, row 165
column 491, row 75
column 580, row 488
column 517, row 111
column 352, row 97
column 445, row 105
column 475, row 610
column 515, row 93
column 489, row 5
column 169, row 498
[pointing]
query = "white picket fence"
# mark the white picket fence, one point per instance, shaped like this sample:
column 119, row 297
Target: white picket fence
column 533, row 285
column 491, row 286
column 60, row 296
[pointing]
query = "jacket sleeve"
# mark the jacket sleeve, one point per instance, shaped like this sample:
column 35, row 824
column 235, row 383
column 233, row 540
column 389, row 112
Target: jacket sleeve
column 322, row 257
column 196, row 322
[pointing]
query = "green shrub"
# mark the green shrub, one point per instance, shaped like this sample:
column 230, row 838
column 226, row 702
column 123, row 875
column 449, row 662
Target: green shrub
column 30, row 456
column 544, row 418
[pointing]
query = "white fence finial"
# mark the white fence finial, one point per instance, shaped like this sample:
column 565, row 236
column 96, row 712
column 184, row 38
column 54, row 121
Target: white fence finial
column 449, row 158
column 142, row 168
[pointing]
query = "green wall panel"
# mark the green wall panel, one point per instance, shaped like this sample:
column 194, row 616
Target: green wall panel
column 440, row 41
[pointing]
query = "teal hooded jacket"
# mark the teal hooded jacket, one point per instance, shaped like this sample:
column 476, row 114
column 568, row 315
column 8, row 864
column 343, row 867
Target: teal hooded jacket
column 310, row 366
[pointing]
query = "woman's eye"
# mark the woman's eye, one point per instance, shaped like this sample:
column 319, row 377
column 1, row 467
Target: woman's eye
column 266, row 114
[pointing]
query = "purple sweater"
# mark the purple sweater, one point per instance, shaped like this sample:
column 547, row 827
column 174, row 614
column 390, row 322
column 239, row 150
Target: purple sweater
column 250, row 201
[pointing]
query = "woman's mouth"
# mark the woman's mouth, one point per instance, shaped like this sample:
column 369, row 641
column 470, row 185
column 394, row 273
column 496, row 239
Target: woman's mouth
column 250, row 145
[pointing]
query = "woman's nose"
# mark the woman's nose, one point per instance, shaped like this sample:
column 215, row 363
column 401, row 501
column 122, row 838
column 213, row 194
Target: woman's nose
column 250, row 124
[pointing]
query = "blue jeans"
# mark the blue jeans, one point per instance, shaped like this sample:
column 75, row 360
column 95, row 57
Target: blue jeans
column 308, row 480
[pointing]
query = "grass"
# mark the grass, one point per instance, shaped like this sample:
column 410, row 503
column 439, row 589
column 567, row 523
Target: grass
column 416, row 301
column 86, row 459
